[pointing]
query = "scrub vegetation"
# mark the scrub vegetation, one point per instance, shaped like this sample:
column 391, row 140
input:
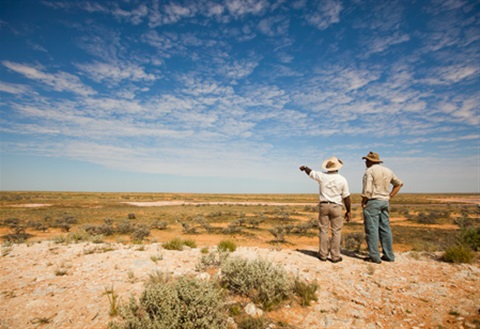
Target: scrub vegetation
column 420, row 222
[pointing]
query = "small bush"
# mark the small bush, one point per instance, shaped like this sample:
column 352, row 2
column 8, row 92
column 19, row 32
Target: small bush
column 157, row 225
column 458, row 254
column 190, row 243
column 279, row 233
column 140, row 232
column 353, row 241
column 177, row 244
column 125, row 227
column 305, row 291
column 174, row 244
column 252, row 323
column 232, row 229
column 260, row 280
column 185, row 303
column 227, row 245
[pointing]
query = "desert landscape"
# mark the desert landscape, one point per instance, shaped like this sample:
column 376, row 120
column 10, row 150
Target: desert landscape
column 70, row 260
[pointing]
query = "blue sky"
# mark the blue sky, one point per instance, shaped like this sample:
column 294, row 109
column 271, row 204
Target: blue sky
column 234, row 95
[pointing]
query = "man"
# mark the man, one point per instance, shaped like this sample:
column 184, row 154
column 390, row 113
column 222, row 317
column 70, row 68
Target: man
column 376, row 195
column 333, row 189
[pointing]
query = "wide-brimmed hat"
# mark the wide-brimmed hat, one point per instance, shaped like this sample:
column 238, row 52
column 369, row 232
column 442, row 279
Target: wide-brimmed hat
column 332, row 164
column 372, row 156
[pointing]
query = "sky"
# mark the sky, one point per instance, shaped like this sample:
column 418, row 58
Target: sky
column 232, row 96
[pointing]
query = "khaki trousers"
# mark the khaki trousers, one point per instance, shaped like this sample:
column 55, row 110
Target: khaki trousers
column 330, row 216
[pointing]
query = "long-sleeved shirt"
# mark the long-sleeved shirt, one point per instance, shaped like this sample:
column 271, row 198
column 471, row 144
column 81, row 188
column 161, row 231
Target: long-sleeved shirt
column 376, row 182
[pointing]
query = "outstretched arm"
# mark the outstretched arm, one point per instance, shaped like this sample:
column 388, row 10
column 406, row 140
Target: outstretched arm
column 306, row 169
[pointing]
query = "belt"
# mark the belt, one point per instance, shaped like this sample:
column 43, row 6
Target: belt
column 329, row 202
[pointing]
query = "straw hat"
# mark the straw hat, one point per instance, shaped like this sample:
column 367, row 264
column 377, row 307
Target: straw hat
column 332, row 164
column 372, row 156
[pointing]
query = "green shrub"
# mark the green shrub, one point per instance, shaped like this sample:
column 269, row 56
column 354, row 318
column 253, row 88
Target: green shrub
column 227, row 245
column 185, row 303
column 178, row 243
column 174, row 244
column 458, row 254
column 260, row 280
column 470, row 237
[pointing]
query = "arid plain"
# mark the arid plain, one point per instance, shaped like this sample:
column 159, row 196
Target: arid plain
column 57, row 277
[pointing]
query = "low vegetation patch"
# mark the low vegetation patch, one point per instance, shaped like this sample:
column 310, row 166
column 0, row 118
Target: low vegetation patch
column 263, row 282
column 458, row 254
column 182, row 303
column 178, row 244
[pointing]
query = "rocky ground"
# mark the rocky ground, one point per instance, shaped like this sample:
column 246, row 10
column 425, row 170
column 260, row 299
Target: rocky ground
column 48, row 285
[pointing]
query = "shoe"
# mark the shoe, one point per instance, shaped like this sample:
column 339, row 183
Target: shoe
column 370, row 260
column 322, row 259
column 336, row 260
column 385, row 258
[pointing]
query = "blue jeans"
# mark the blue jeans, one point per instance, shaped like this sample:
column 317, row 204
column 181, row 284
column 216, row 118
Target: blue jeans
column 377, row 226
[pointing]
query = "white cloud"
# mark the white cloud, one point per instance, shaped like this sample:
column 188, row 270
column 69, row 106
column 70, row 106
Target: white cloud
column 238, row 69
column 135, row 16
column 244, row 7
column 381, row 44
column 274, row 26
column 114, row 73
column 13, row 88
column 326, row 14
column 60, row 81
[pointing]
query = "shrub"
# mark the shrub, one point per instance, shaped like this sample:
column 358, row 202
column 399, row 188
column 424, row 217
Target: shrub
column 232, row 229
column 260, row 280
column 305, row 291
column 157, row 225
column 185, row 303
column 252, row 323
column 227, row 245
column 189, row 229
column 470, row 237
column 279, row 233
column 353, row 241
column 177, row 244
column 15, row 225
column 424, row 218
column 174, row 244
column 103, row 229
column 140, row 232
column 125, row 227
column 190, row 243
column 458, row 254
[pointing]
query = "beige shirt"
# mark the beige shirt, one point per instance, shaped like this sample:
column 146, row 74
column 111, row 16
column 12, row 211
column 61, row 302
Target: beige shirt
column 376, row 182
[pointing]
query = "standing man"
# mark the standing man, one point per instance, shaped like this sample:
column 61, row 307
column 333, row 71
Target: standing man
column 376, row 195
column 333, row 189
